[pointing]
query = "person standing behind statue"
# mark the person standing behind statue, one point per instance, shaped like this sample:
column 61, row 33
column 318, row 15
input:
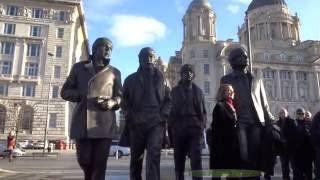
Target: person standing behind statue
column 146, row 103
column 315, row 132
column 95, row 87
column 303, row 152
column 251, row 107
column 286, row 125
column 225, row 146
column 187, row 122
column 11, row 144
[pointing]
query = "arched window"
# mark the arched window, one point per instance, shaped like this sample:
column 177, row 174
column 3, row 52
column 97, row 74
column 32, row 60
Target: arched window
column 267, row 56
column 27, row 119
column 283, row 57
column 3, row 114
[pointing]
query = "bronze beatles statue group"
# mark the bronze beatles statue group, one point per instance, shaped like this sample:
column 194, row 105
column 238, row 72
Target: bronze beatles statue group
column 149, row 105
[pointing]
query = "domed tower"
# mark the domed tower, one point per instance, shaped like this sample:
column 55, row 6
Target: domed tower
column 199, row 48
column 199, row 22
column 271, row 25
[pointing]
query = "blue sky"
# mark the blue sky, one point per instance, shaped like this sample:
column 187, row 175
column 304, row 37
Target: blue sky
column 134, row 24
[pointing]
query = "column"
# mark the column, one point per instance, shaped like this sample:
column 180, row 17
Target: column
column 199, row 26
column 278, row 93
column 259, row 73
column 311, row 94
column 317, row 86
column 295, row 86
column 280, row 27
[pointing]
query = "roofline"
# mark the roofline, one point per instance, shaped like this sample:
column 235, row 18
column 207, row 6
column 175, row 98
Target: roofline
column 78, row 4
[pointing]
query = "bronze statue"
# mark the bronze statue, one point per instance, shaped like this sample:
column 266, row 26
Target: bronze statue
column 251, row 106
column 187, row 122
column 146, row 103
column 95, row 87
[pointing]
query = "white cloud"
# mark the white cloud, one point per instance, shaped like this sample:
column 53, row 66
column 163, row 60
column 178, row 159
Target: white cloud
column 234, row 9
column 130, row 30
column 98, row 10
column 246, row 2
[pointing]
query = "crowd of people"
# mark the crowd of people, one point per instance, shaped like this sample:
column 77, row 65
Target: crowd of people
column 296, row 141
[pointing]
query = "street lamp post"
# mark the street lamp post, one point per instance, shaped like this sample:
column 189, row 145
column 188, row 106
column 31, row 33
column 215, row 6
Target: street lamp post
column 17, row 118
column 47, row 110
column 249, row 40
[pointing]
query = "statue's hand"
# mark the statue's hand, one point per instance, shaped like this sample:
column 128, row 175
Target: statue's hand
column 108, row 104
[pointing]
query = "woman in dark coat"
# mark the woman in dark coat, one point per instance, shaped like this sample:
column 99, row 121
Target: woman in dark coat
column 224, row 142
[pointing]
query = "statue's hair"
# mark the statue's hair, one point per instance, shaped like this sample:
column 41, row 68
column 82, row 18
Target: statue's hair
column 145, row 50
column 102, row 41
column 186, row 67
column 235, row 53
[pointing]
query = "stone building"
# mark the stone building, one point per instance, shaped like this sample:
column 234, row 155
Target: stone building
column 40, row 40
column 289, row 67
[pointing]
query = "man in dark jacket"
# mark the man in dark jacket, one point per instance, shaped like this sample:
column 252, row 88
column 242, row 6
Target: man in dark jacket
column 146, row 102
column 95, row 87
column 285, row 123
column 303, row 152
column 315, row 131
column 187, row 122
column 251, row 107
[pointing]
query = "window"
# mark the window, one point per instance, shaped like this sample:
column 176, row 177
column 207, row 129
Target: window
column 62, row 16
column 3, row 89
column 268, row 74
column 31, row 69
column 266, row 56
column 299, row 58
column 55, row 92
column 35, row 31
column 3, row 114
column 27, row 119
column 206, row 69
column 58, row 51
column 205, row 53
column 12, row 10
column 37, row 13
column 207, row 87
column 57, row 72
column 7, row 48
column 285, row 75
column 28, row 90
column 5, row 67
column 33, row 50
column 302, row 76
column 192, row 54
column 60, row 32
column 9, row 28
column 53, row 120
column 283, row 57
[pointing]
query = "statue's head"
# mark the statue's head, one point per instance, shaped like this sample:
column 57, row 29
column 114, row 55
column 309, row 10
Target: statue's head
column 187, row 73
column 102, row 48
column 147, row 58
column 238, row 58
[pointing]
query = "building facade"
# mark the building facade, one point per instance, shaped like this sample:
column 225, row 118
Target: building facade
column 289, row 67
column 40, row 40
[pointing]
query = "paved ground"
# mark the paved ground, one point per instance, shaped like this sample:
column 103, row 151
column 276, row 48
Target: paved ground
column 66, row 168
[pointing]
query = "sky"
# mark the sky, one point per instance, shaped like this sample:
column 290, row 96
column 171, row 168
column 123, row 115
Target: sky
column 134, row 24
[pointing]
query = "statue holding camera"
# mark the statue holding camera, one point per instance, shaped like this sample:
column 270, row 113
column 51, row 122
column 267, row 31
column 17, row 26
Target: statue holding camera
column 95, row 87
